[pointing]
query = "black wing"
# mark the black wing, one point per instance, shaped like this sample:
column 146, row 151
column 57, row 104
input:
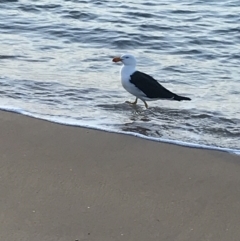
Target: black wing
column 149, row 86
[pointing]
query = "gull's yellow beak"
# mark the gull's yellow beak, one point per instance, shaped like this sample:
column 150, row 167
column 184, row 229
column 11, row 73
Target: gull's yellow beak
column 116, row 59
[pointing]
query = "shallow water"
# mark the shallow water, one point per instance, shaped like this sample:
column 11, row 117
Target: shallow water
column 56, row 64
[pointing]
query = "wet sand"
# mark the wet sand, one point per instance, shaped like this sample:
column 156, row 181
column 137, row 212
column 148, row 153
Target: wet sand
column 61, row 183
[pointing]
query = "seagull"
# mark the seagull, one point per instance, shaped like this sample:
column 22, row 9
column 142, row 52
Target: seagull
column 141, row 85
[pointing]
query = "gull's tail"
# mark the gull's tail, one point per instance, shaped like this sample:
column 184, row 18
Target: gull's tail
column 179, row 98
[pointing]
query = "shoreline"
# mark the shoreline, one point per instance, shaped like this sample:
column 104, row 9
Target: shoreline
column 134, row 134
column 70, row 183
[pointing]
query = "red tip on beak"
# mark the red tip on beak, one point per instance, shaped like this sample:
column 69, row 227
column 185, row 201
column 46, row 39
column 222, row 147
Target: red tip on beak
column 116, row 59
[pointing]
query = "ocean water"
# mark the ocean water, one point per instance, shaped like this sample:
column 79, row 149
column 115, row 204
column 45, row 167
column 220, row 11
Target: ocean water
column 56, row 64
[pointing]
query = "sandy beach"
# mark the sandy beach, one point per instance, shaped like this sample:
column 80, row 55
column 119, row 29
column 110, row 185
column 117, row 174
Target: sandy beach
column 61, row 183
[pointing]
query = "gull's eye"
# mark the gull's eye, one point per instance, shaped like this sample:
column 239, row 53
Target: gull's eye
column 127, row 57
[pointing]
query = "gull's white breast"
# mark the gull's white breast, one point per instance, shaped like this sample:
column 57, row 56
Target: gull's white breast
column 126, row 72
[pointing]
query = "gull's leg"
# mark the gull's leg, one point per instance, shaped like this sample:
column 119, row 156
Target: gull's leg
column 133, row 103
column 145, row 103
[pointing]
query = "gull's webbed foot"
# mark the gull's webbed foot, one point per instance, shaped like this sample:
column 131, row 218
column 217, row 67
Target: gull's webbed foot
column 132, row 103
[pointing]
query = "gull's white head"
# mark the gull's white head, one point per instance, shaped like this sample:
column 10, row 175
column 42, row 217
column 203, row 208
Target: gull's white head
column 126, row 59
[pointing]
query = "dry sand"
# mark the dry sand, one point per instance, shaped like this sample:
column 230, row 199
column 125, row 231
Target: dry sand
column 64, row 183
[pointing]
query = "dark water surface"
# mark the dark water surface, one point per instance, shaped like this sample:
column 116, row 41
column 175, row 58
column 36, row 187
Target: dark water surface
column 55, row 64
